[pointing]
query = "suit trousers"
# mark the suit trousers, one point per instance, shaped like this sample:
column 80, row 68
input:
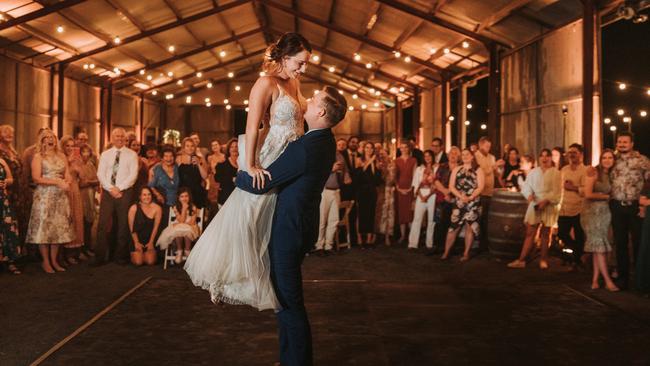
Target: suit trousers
column 329, row 218
column 564, row 226
column 115, row 211
column 421, row 208
column 626, row 223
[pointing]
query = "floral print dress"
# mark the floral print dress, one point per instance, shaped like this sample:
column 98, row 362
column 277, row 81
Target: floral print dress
column 466, row 213
column 8, row 226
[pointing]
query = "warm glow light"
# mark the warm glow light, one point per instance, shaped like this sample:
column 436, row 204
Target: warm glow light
column 484, row 127
column 60, row 29
column 199, row 74
column 228, row 107
column 117, row 71
column 465, row 44
column 607, row 121
column 209, row 85
column 170, row 74
column 372, row 90
column 208, row 104
column 357, row 57
column 316, row 91
column 237, row 88
column 368, row 65
column 354, row 96
column 432, row 50
column 612, row 128
column 222, row 54
column 91, row 66
column 452, row 118
column 627, row 119
column 620, row 112
column 207, row 100
column 376, row 104
column 169, row 96
column 180, row 82
column 149, row 77
column 363, row 106
column 171, row 48
column 350, row 108
column 340, row 91
column 469, row 106
column 407, row 59
column 262, row 74
column 467, row 123
column 246, row 102
column 246, row 109
column 226, row 101
column 332, row 69
column 315, row 58
column 188, row 99
column 643, row 113
column 398, row 54
column 622, row 86
column 401, row 89
column 155, row 92
column 377, row 93
column 142, row 72
column 232, row 74
column 85, row 66
column 446, row 50
column 117, row 40
column 393, row 90
column 647, row 91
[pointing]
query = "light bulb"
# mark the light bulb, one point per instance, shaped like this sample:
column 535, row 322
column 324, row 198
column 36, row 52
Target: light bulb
column 199, row 74
column 188, row 99
column 315, row 58
column 432, row 50
column 60, row 29
column 407, row 59
column 357, row 57
column 246, row 109
column 350, row 108
column 222, row 54
column 237, row 88
column 340, row 91
column 207, row 100
column 377, row 93
column 117, row 40
column 469, row 106
column 85, row 66
column 170, row 74
column 149, row 77
column 91, row 66
column 209, row 85
column 208, row 104
column 331, row 69
column 368, row 65
column 226, row 101
column 612, row 128
column 398, row 54
column 467, row 123
column 155, row 92
column 180, row 82
column 354, row 96
column 228, row 107
column 607, row 121
column 262, row 74
column 465, row 44
column 231, row 74
column 484, row 127
column 372, row 90
column 142, row 72
column 401, row 89
column 363, row 106
column 643, row 113
column 627, row 119
column 376, row 104
column 169, row 96
column 446, row 50
column 620, row 112
column 171, row 48
column 622, row 86
column 452, row 118
column 246, row 102
column 316, row 91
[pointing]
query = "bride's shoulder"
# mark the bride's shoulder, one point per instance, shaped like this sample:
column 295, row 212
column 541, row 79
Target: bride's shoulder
column 266, row 82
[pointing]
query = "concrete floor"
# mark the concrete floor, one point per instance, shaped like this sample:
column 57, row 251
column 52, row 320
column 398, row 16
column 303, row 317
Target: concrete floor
column 384, row 306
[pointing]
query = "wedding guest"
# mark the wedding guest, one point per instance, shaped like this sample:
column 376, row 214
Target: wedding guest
column 596, row 217
column 200, row 151
column 444, row 197
column 558, row 157
column 487, row 162
column 439, row 155
column 184, row 229
column 18, row 193
column 8, row 227
column 368, row 179
column 164, row 182
column 404, row 170
column 425, row 201
column 50, row 223
column 73, row 250
column 143, row 169
column 642, row 279
column 348, row 191
column 226, row 171
column 144, row 221
column 415, row 151
column 629, row 174
column 473, row 147
column 573, row 176
column 215, row 157
column 385, row 218
column 152, row 156
column 88, row 186
column 542, row 189
column 330, row 200
column 509, row 169
column 192, row 171
column 505, row 151
column 117, row 173
column 81, row 139
column 466, row 185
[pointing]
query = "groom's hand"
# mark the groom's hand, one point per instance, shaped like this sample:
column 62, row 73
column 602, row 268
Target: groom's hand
column 258, row 177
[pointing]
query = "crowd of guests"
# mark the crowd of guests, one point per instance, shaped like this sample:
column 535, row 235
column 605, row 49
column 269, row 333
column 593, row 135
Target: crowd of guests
column 62, row 203
column 570, row 203
column 76, row 205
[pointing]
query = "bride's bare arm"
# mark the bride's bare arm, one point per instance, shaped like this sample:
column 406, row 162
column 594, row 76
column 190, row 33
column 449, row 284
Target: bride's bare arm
column 260, row 99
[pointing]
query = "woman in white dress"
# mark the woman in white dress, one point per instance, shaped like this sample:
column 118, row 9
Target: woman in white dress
column 231, row 259
column 542, row 189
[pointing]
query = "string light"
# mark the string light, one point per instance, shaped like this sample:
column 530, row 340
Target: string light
column 117, row 40
column 207, row 100
column 171, row 48
column 368, row 65
column 376, row 104
column 622, row 86
column 407, row 59
column 85, row 66
column 262, row 74
column 627, row 119
column 60, row 29
column 393, row 90
column 357, row 57
column 91, row 66
column 155, row 92
column 222, row 54
column 180, row 82
column 432, row 50
column 246, row 109
column 228, row 107
column 620, row 112
column 465, row 44
column 469, row 106
column 446, row 51
column 209, row 85
column 188, row 99
column 401, row 89
column 315, row 58
column 169, row 96
column 231, row 74
column 363, row 106
column 398, row 54
column 142, row 72
column 467, row 123
column 332, row 69
column 612, row 128
column 149, row 77
column 226, row 101
column 340, row 91
column 483, row 126
column 237, row 88
column 378, row 93
column 372, row 90
column 354, row 96
column 607, row 121
column 643, row 113
column 451, row 118
column 350, row 108
column 246, row 102
column 208, row 104
column 199, row 74
column 170, row 74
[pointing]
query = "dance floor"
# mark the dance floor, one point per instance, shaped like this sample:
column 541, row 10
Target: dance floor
column 384, row 306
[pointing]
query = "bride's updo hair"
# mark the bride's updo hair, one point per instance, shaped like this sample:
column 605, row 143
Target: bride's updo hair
column 288, row 45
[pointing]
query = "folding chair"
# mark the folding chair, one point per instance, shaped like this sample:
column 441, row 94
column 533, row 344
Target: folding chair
column 169, row 252
column 344, row 222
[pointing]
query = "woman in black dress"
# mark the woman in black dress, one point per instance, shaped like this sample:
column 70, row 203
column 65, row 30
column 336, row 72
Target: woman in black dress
column 368, row 175
column 144, row 221
column 227, row 171
column 192, row 171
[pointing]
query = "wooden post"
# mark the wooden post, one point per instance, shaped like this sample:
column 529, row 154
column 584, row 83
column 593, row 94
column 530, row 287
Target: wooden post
column 415, row 116
column 444, row 110
column 588, row 33
column 494, row 82
column 52, row 73
column 109, row 110
column 102, row 118
column 59, row 112
column 142, row 118
column 399, row 126
column 462, row 116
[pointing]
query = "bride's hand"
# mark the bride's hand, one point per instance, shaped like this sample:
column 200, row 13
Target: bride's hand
column 258, row 176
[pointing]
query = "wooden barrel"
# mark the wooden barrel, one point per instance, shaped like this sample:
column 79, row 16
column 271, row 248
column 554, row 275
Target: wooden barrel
column 506, row 228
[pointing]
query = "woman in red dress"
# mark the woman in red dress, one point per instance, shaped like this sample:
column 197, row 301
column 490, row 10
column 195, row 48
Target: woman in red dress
column 404, row 169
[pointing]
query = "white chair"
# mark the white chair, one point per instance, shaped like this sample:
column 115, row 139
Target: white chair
column 170, row 255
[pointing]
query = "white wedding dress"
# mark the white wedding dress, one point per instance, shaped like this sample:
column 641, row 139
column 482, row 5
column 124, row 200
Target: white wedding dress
column 231, row 259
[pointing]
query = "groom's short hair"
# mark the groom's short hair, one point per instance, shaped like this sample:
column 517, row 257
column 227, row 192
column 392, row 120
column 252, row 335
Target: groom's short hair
column 335, row 105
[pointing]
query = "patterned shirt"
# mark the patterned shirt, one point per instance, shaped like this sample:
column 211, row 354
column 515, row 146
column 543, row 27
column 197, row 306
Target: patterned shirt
column 629, row 175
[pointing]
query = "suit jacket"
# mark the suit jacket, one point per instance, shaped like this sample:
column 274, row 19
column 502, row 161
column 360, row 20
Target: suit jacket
column 443, row 158
column 348, row 191
column 299, row 174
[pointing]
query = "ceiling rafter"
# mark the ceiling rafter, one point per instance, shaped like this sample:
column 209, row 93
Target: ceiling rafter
column 330, row 19
column 347, row 33
column 157, row 30
column 263, row 20
column 46, row 10
column 501, row 14
column 373, row 12
column 231, row 32
column 241, row 72
column 354, row 80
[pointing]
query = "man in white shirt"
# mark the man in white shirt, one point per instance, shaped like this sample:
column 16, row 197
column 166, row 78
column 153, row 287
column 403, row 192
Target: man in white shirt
column 117, row 172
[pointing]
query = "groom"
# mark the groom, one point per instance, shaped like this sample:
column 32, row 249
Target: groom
column 299, row 174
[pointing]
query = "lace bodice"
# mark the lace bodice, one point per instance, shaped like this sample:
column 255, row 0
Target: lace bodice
column 53, row 167
column 285, row 125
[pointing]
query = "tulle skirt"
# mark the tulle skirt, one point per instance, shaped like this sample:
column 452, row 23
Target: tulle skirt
column 231, row 258
column 176, row 231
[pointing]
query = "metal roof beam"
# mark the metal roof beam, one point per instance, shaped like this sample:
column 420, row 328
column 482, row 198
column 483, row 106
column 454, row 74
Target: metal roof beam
column 46, row 10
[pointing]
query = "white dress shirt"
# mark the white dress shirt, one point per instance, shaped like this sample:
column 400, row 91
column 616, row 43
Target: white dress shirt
column 127, row 172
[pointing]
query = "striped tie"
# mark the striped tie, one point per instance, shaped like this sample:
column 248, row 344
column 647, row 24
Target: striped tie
column 116, row 167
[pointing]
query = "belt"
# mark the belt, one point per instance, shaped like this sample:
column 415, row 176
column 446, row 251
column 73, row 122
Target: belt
column 332, row 189
column 625, row 203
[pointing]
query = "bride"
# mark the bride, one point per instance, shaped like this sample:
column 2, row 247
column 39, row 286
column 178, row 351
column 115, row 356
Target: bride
column 231, row 259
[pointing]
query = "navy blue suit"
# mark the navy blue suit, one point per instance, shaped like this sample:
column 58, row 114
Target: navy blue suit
column 299, row 174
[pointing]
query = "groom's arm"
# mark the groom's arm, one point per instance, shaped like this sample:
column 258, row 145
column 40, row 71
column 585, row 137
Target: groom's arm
column 289, row 165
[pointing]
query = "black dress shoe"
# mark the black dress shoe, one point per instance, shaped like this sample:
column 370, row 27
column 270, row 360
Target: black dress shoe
column 327, row 252
column 96, row 263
